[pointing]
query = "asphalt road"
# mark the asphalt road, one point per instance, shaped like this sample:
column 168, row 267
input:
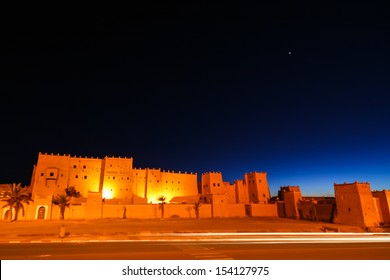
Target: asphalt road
column 219, row 249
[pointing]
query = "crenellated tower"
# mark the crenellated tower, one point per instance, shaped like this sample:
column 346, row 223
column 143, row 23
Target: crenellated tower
column 257, row 184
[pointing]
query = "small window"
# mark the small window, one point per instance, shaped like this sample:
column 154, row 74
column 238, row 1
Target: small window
column 85, row 177
column 42, row 174
column 84, row 166
column 77, row 176
column 51, row 174
column 74, row 166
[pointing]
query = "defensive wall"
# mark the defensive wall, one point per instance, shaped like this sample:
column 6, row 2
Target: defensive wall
column 113, row 188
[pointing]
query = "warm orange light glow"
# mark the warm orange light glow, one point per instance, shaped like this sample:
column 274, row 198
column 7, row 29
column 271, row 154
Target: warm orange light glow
column 154, row 198
column 107, row 194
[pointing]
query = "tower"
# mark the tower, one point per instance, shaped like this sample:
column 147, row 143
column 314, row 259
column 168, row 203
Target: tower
column 355, row 204
column 258, row 189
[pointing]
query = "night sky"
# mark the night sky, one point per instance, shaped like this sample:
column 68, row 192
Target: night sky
column 300, row 92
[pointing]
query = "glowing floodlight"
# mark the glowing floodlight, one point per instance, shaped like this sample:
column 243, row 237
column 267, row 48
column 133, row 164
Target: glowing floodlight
column 107, row 194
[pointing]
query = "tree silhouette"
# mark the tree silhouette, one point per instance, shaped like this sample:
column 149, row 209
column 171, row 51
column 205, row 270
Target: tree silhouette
column 14, row 197
column 198, row 204
column 63, row 200
column 162, row 199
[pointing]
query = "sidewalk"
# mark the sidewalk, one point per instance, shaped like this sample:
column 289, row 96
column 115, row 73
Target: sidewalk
column 49, row 231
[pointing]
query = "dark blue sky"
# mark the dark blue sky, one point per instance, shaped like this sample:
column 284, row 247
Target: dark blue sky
column 200, row 88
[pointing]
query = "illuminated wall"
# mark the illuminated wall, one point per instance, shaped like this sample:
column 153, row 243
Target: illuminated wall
column 355, row 204
column 290, row 195
column 117, row 178
column 241, row 191
column 170, row 184
column 384, row 203
column 258, row 189
column 253, row 189
column 114, row 178
column 111, row 181
column 53, row 173
column 212, row 183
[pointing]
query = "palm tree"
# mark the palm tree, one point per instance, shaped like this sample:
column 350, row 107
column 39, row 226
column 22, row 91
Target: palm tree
column 63, row 201
column 14, row 198
column 162, row 198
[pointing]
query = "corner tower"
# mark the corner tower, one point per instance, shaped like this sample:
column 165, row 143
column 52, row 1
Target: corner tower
column 212, row 183
column 355, row 205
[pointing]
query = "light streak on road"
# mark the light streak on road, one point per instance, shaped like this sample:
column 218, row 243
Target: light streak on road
column 256, row 238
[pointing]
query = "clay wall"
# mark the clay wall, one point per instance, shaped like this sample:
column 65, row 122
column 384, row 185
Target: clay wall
column 325, row 212
column 85, row 174
column 153, row 211
column 212, row 183
column 230, row 190
column 355, row 205
column 236, row 210
column 291, row 195
column 307, row 210
column 94, row 205
column 264, row 210
column 281, row 209
column 117, row 178
column 177, row 184
column 220, row 205
column 258, row 189
column 384, row 203
column 241, row 192
column 53, row 173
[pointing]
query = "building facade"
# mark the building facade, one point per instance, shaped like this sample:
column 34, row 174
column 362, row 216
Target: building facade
column 356, row 205
column 111, row 186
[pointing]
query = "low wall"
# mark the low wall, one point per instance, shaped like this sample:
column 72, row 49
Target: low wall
column 154, row 211
column 236, row 210
column 264, row 210
column 131, row 211
column 325, row 212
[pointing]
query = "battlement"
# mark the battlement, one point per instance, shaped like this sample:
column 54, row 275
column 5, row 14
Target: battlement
column 352, row 184
column 256, row 172
column 179, row 172
column 290, row 189
column 75, row 156
column 212, row 172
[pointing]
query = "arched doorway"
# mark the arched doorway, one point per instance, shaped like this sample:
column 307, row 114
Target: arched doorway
column 41, row 213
